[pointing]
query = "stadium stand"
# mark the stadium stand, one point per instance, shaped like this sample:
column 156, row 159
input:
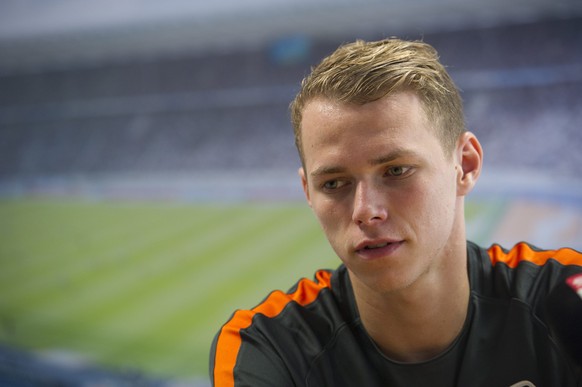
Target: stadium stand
column 19, row 368
column 229, row 110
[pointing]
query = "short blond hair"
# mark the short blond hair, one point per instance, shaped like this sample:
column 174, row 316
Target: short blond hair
column 362, row 72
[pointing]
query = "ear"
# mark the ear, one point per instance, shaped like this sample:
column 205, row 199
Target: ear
column 301, row 173
column 469, row 161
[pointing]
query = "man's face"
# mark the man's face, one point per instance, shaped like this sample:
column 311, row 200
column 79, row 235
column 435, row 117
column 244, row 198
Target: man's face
column 382, row 187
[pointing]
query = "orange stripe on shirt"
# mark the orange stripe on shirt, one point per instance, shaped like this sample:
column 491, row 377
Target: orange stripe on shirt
column 229, row 340
column 524, row 252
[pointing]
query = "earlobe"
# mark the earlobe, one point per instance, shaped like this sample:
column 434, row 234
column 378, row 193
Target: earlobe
column 303, row 177
column 470, row 161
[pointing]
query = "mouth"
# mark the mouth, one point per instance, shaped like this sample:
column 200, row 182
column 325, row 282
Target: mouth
column 377, row 249
column 376, row 246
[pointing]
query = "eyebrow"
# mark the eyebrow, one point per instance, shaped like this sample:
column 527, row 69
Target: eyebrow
column 391, row 156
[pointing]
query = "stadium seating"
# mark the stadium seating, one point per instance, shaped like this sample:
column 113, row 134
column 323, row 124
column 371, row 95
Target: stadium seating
column 228, row 111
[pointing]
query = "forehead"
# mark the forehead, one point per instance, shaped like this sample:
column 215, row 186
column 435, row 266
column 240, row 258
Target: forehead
column 397, row 121
column 395, row 109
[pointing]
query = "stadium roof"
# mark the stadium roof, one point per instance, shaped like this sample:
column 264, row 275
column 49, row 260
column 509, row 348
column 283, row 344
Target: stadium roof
column 39, row 31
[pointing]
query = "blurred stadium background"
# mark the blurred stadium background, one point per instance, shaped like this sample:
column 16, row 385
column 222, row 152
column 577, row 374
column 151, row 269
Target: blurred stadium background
column 148, row 176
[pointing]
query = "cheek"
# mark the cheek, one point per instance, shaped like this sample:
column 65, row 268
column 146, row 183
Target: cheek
column 327, row 214
column 429, row 206
column 330, row 216
column 439, row 206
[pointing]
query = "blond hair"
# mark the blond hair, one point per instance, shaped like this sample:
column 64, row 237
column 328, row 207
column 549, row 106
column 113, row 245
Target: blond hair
column 362, row 72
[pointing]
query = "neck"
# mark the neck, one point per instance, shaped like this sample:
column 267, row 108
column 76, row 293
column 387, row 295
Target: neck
column 422, row 320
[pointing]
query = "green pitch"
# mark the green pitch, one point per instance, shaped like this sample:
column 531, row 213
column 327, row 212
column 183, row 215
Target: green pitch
column 147, row 285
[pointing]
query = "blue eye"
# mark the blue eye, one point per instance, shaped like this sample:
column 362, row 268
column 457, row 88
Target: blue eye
column 398, row 171
column 332, row 184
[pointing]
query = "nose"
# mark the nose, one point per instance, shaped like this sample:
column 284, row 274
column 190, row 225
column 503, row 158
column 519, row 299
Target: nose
column 369, row 205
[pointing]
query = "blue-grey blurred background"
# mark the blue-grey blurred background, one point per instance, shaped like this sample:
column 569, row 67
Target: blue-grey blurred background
column 139, row 96
column 187, row 100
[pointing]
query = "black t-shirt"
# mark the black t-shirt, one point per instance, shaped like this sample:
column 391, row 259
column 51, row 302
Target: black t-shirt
column 313, row 336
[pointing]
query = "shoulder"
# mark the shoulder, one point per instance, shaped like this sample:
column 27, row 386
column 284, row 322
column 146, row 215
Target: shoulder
column 305, row 292
column 279, row 323
column 524, row 252
column 523, row 271
column 510, row 290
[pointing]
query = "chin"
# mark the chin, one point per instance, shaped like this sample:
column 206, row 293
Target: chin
column 383, row 281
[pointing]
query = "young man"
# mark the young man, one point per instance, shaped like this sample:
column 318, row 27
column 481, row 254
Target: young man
column 386, row 164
